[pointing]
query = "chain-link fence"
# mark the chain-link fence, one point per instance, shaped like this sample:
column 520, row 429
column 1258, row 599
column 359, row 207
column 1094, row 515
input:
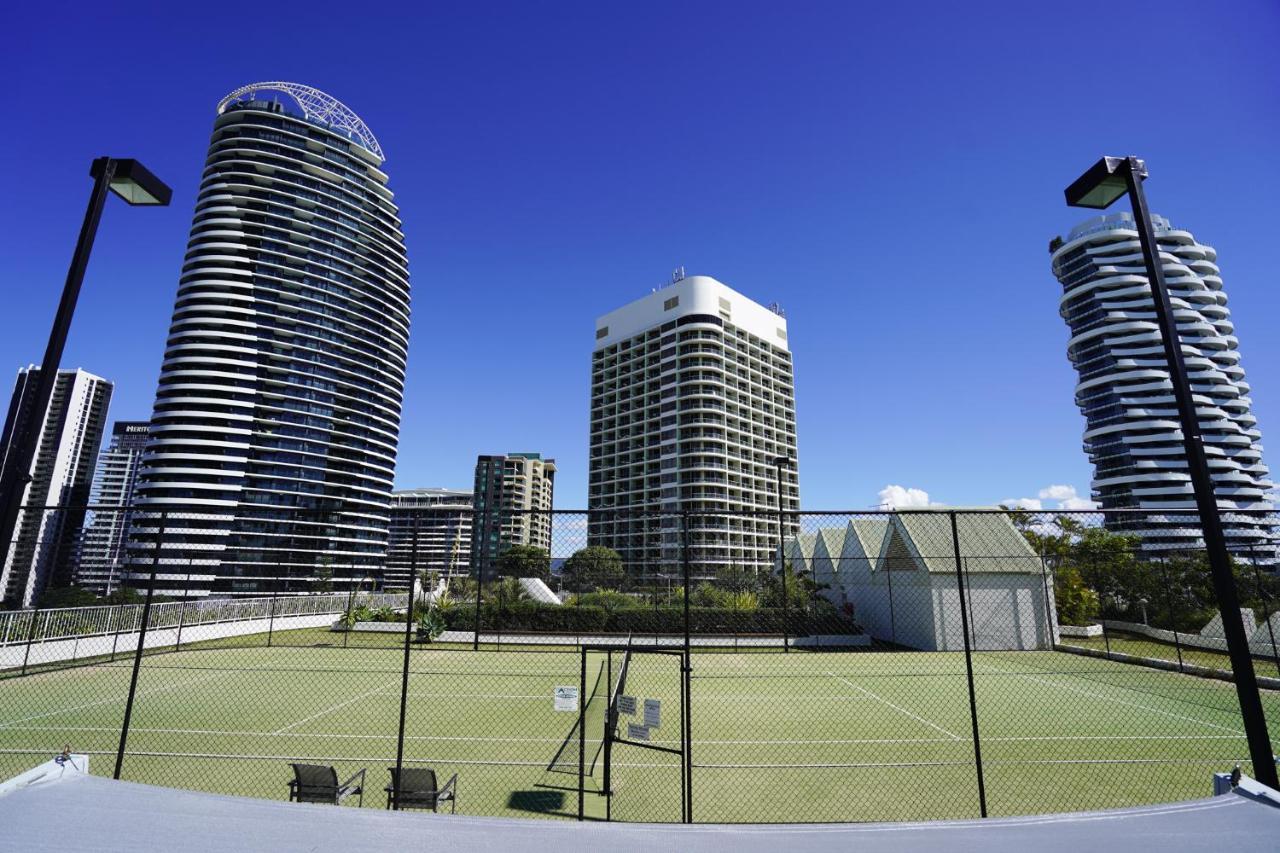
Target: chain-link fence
column 643, row 666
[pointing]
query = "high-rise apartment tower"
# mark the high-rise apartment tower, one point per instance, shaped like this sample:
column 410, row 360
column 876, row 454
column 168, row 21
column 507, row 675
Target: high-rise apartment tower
column 277, row 416
column 513, row 500
column 44, row 541
column 102, row 550
column 692, row 404
column 430, row 532
column 1131, row 422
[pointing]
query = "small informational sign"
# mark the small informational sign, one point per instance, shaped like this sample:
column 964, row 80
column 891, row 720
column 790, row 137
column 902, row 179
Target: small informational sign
column 566, row 698
column 653, row 713
column 635, row 732
column 627, row 705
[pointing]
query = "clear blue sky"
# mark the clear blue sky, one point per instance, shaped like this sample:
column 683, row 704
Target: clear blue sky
column 890, row 173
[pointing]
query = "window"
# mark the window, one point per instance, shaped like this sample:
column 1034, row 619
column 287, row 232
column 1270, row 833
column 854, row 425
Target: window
column 782, row 333
column 724, row 303
column 671, row 303
column 602, row 332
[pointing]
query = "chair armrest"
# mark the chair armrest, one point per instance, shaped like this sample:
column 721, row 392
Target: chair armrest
column 359, row 774
column 449, row 790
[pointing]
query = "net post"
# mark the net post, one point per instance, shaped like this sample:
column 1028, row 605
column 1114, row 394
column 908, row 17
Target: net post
column 968, row 663
column 142, row 638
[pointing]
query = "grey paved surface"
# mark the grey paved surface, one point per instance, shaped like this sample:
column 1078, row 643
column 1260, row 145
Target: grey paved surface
column 87, row 813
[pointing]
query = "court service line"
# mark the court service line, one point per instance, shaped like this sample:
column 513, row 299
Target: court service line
column 116, row 699
column 337, row 707
column 897, row 708
column 1105, row 698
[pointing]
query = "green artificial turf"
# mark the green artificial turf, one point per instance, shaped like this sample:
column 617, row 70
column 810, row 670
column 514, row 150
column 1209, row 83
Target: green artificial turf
column 807, row 736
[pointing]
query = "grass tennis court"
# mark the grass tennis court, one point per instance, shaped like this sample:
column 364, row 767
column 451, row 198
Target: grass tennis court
column 801, row 737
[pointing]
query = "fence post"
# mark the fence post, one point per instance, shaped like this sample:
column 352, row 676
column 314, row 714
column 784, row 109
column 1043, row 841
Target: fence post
column 31, row 637
column 482, row 551
column 582, row 732
column 1173, row 619
column 404, row 674
column 968, row 663
column 1266, row 607
column 117, row 612
column 1050, row 618
column 182, row 610
column 271, row 612
column 142, row 637
column 684, row 569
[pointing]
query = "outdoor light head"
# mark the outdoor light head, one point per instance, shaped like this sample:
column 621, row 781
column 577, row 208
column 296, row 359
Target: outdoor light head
column 133, row 182
column 1105, row 182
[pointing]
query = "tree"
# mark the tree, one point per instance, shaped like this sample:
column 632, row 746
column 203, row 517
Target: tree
column 1077, row 604
column 525, row 561
column 594, row 568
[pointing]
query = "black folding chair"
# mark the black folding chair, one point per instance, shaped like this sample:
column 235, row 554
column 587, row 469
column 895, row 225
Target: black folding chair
column 317, row 783
column 418, row 790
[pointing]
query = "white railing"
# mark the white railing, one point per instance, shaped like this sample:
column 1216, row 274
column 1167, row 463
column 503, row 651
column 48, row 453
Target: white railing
column 20, row 627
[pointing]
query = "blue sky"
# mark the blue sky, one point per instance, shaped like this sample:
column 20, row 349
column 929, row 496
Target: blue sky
column 890, row 173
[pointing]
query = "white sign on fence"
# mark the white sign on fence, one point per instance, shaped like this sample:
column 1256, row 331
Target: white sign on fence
column 635, row 732
column 627, row 705
column 566, row 699
column 653, row 713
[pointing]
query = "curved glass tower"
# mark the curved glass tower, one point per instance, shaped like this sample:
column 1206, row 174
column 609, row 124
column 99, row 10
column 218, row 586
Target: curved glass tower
column 273, row 437
column 1131, row 433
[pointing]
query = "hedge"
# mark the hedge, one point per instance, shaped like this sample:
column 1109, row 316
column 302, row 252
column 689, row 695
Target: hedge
column 584, row 619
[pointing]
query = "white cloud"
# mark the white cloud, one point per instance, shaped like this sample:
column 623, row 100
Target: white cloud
column 1058, row 493
column 1064, row 496
column 902, row 497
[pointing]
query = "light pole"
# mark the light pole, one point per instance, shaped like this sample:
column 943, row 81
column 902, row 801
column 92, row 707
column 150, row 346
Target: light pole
column 1105, row 182
column 131, row 181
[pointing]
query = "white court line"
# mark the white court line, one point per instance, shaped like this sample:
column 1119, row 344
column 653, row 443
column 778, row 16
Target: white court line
column 1105, row 698
column 333, row 708
column 115, row 699
column 897, row 708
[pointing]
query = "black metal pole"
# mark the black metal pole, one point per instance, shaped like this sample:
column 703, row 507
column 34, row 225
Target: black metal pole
column 182, row 613
column 31, row 638
column 582, row 735
column 142, row 639
column 610, row 722
column 684, row 567
column 968, row 664
column 271, row 613
column 483, row 551
column 1173, row 617
column 782, row 559
column 1049, row 616
column 687, row 669
column 404, row 674
column 1224, row 587
column 16, row 473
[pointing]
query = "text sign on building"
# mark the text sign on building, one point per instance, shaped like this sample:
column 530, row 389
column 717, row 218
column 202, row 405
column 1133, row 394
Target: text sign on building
column 566, row 699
